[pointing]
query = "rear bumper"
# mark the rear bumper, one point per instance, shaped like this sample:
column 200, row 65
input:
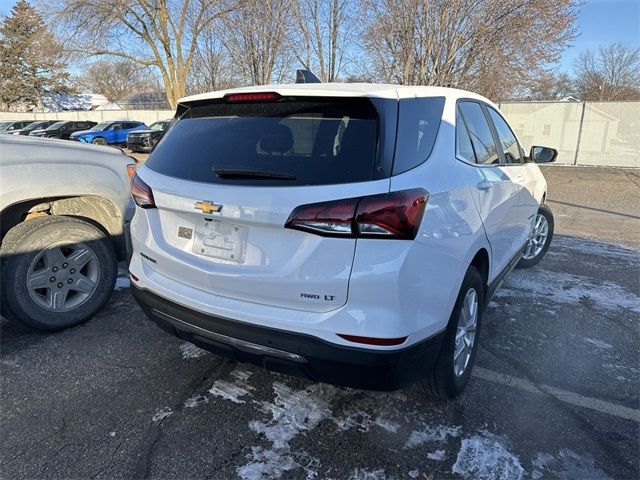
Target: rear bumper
column 293, row 353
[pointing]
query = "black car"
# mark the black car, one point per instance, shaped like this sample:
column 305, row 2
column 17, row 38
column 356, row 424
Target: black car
column 10, row 126
column 145, row 140
column 33, row 126
column 63, row 129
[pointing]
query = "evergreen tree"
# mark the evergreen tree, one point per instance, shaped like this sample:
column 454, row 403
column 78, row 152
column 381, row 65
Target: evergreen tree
column 30, row 59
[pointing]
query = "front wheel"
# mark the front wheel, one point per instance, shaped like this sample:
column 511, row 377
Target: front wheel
column 99, row 141
column 57, row 272
column 539, row 238
column 460, row 345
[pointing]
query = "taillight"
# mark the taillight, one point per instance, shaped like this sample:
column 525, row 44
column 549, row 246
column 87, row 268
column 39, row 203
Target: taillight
column 252, row 97
column 389, row 215
column 141, row 193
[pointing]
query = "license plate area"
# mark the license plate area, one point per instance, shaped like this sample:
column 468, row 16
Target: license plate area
column 222, row 240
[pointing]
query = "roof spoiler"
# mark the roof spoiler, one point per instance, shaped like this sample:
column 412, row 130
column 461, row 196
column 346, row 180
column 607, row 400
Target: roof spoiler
column 306, row 76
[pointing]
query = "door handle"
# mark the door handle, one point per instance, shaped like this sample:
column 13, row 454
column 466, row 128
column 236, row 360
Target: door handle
column 484, row 185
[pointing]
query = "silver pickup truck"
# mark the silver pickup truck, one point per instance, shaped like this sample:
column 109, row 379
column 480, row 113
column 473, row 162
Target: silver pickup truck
column 64, row 215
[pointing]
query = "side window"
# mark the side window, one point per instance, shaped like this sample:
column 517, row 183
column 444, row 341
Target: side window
column 463, row 143
column 115, row 126
column 508, row 141
column 418, row 125
column 480, row 133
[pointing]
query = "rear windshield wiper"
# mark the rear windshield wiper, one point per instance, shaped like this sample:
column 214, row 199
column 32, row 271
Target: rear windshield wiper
column 239, row 173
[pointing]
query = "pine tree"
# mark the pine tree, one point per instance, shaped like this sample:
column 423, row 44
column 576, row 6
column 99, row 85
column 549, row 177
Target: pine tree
column 30, row 59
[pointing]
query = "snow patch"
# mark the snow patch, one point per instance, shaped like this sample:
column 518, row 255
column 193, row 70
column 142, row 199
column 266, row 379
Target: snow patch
column 589, row 247
column 362, row 474
column 438, row 455
column 414, row 473
column 569, row 289
column 229, row 391
column 196, row 401
column 161, row 414
column 484, row 457
column 122, row 282
column 189, row 350
column 363, row 421
column 568, row 466
column 431, row 434
column 292, row 412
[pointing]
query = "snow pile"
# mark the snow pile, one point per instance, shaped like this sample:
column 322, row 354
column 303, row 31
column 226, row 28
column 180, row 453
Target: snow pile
column 485, row 457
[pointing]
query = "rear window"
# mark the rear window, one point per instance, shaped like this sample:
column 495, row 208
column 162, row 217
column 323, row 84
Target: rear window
column 310, row 141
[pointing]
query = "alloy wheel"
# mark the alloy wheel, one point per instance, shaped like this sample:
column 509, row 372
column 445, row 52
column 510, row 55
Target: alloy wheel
column 62, row 277
column 537, row 237
column 465, row 332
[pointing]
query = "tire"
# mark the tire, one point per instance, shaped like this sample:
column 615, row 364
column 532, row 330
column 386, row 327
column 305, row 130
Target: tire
column 68, row 296
column 444, row 382
column 99, row 141
column 528, row 262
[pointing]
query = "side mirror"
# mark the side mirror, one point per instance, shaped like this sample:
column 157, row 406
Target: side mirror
column 543, row 154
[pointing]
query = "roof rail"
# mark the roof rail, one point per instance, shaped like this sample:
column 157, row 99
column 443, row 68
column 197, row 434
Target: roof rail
column 306, row 76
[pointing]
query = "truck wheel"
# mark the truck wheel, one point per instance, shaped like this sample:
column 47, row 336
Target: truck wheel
column 99, row 141
column 57, row 272
column 539, row 238
column 460, row 345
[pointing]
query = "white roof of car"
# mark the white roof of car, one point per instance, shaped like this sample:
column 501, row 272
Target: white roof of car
column 374, row 90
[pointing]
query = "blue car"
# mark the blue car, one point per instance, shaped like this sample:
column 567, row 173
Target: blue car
column 108, row 133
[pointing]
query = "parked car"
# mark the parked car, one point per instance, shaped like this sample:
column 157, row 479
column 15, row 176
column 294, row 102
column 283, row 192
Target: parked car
column 33, row 126
column 145, row 140
column 352, row 234
column 64, row 215
column 108, row 133
column 13, row 125
column 63, row 129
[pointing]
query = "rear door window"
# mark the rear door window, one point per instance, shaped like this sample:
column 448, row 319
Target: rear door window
column 418, row 125
column 482, row 141
column 293, row 141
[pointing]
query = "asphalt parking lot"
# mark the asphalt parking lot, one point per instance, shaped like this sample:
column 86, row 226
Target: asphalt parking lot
column 555, row 393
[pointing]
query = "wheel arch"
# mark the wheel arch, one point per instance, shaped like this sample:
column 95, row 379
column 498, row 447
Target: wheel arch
column 96, row 210
column 482, row 263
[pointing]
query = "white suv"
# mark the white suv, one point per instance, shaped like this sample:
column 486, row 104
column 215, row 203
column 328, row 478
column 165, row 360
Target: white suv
column 349, row 233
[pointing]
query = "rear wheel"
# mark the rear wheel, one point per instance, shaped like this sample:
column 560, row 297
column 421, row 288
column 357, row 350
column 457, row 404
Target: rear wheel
column 57, row 272
column 99, row 141
column 539, row 238
column 458, row 352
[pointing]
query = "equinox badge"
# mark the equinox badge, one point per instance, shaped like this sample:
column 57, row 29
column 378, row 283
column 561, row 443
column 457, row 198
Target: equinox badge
column 206, row 206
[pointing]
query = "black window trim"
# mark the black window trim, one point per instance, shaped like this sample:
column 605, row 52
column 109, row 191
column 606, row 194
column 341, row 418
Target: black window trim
column 491, row 129
column 494, row 129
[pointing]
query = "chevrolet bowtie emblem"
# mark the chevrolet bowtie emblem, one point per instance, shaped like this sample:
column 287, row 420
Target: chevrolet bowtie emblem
column 207, row 207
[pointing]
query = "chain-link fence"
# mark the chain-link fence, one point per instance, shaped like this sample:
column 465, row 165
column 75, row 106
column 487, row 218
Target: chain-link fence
column 584, row 133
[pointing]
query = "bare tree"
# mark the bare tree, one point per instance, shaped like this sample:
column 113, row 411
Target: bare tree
column 162, row 34
column 320, row 34
column 611, row 73
column 212, row 67
column 115, row 79
column 255, row 36
column 490, row 46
